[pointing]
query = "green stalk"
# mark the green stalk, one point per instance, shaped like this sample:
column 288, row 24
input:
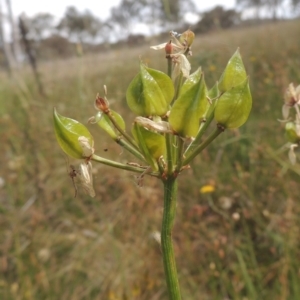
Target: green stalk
column 131, row 149
column 170, row 197
column 124, row 133
column 199, row 136
column 180, row 148
column 169, row 142
column 202, row 146
column 170, row 66
column 117, row 165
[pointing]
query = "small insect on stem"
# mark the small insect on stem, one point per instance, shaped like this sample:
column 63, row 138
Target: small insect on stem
column 73, row 173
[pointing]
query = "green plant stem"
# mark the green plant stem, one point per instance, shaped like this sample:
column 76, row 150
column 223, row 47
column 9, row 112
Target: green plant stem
column 121, row 166
column 179, row 159
column 202, row 146
column 131, row 149
column 126, row 136
column 170, row 66
column 170, row 197
column 169, row 143
column 200, row 133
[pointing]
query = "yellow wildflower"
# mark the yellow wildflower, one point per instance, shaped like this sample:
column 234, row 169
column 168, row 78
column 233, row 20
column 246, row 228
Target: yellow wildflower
column 208, row 188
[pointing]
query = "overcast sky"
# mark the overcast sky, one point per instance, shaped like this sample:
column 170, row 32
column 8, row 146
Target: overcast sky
column 100, row 8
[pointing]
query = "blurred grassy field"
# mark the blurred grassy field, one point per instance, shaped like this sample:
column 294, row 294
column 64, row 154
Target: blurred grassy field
column 239, row 242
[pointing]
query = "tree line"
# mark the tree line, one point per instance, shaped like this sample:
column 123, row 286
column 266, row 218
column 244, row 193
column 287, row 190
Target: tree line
column 43, row 31
column 87, row 27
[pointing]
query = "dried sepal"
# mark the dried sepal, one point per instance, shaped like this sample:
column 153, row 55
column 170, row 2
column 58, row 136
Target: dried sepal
column 178, row 51
column 291, row 99
column 292, row 154
column 181, row 64
column 87, row 148
column 285, row 111
column 86, row 178
column 158, row 126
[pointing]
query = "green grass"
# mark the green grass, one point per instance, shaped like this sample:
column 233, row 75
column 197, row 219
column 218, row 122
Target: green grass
column 53, row 246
